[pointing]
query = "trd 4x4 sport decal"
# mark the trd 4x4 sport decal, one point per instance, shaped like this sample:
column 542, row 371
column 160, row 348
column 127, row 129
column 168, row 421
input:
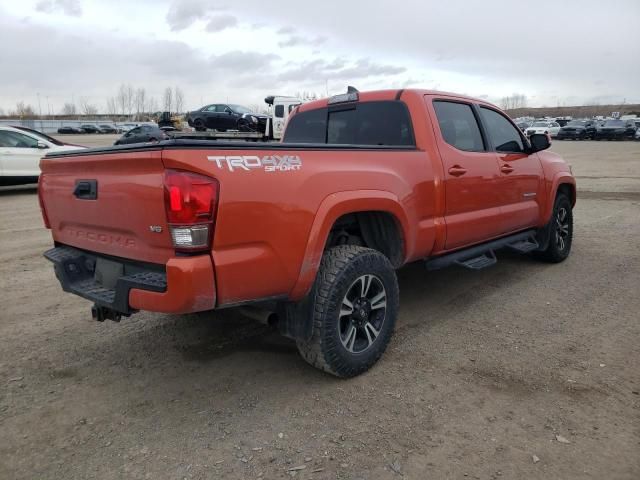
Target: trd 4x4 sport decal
column 268, row 163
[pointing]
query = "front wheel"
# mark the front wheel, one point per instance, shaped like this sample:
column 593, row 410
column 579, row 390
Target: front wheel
column 560, row 230
column 354, row 305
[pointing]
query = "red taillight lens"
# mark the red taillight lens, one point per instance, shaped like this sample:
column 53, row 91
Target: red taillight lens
column 191, row 201
column 45, row 218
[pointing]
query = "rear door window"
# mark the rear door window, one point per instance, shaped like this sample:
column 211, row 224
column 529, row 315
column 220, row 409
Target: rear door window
column 385, row 123
column 458, row 126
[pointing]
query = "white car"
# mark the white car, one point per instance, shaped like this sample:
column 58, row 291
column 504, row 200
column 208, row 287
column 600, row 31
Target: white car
column 551, row 128
column 20, row 154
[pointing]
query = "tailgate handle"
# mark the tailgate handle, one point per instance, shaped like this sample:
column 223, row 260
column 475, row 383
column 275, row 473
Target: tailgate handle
column 86, row 189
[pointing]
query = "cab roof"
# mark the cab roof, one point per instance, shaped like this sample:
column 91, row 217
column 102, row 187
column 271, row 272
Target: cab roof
column 395, row 94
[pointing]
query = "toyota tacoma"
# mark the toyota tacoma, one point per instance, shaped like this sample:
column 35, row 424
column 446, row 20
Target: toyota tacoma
column 311, row 229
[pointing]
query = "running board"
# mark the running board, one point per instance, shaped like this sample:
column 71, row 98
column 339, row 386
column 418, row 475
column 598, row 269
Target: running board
column 483, row 256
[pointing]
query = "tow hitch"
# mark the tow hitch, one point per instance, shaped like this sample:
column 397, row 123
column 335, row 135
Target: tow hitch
column 102, row 313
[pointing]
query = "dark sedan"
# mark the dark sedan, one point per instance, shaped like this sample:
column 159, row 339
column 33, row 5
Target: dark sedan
column 108, row 129
column 223, row 117
column 615, row 130
column 142, row 134
column 73, row 130
column 578, row 130
column 88, row 128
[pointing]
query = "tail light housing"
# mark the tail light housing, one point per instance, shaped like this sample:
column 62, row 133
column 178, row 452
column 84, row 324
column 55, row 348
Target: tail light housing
column 43, row 211
column 191, row 201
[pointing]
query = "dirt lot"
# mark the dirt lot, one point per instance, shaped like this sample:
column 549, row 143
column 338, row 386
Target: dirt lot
column 523, row 370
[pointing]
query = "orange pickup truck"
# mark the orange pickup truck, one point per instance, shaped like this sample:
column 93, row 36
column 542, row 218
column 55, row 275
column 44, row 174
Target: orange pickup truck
column 312, row 228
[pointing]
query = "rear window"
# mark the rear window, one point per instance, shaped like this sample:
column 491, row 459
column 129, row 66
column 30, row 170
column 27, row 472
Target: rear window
column 368, row 123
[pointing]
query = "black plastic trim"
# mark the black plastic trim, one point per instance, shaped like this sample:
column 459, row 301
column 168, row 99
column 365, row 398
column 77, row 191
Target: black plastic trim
column 458, row 256
column 222, row 145
column 75, row 270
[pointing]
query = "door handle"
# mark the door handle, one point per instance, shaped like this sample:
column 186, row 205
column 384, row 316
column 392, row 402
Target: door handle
column 457, row 171
column 506, row 168
column 86, row 189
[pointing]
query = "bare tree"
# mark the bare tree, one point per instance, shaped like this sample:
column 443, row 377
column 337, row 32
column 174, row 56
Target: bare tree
column 121, row 99
column 69, row 109
column 87, row 108
column 152, row 105
column 112, row 106
column 24, row 111
column 179, row 99
column 130, row 99
column 140, row 101
column 516, row 100
column 167, row 100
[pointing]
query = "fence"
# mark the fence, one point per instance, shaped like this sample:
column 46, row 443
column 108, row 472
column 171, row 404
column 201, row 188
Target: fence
column 52, row 126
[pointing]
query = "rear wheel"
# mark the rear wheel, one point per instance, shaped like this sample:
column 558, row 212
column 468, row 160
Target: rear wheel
column 560, row 232
column 354, row 304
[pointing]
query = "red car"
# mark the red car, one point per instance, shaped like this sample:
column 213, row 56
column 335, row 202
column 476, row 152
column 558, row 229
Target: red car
column 313, row 228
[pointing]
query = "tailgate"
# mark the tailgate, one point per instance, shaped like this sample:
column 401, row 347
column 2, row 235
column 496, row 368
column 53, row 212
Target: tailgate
column 127, row 216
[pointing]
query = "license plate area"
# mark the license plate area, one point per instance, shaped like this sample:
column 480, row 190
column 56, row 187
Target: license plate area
column 108, row 272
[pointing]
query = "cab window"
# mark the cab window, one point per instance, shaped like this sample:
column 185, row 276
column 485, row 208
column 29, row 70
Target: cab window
column 504, row 136
column 458, row 126
column 279, row 111
column 383, row 123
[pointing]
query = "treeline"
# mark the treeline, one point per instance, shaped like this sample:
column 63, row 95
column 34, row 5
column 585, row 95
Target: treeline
column 129, row 101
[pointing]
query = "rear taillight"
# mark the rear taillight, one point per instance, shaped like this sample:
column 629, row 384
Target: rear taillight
column 45, row 218
column 191, row 201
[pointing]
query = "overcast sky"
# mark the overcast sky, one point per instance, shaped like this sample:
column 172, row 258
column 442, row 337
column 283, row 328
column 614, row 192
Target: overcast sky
column 555, row 52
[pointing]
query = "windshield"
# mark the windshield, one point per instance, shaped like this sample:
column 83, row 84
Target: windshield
column 41, row 135
column 239, row 109
column 576, row 123
column 614, row 123
column 540, row 124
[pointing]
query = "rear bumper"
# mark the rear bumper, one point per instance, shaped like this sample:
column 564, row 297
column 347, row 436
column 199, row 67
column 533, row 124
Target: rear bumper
column 183, row 285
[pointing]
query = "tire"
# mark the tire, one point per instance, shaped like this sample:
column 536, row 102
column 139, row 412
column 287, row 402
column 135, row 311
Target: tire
column 560, row 232
column 198, row 124
column 342, row 342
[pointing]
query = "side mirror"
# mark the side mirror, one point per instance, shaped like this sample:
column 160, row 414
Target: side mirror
column 539, row 142
column 42, row 145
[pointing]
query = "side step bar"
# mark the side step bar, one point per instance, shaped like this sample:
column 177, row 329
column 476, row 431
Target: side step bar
column 483, row 256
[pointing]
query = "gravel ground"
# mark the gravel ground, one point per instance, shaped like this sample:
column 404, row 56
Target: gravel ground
column 523, row 370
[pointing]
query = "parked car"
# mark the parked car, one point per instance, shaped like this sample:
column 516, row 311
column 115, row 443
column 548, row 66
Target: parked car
column 70, row 129
column 20, row 154
column 637, row 135
column 88, row 128
column 523, row 126
column 578, row 130
column 223, row 117
column 615, row 130
column 44, row 136
column 106, row 128
column 142, row 134
column 309, row 237
column 550, row 128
